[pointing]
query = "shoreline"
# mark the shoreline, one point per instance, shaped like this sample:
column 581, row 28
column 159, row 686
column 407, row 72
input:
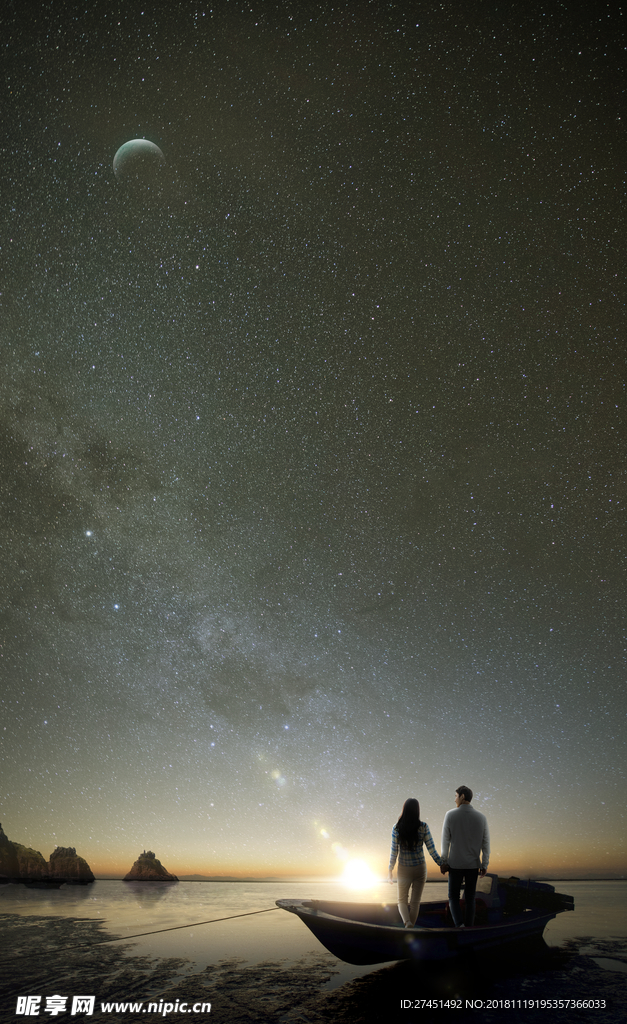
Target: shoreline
column 299, row 989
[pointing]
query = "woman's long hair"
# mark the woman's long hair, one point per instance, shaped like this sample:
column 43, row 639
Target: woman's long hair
column 408, row 825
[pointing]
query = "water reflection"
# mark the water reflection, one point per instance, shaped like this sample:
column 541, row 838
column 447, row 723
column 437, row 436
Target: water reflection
column 234, row 958
column 147, row 894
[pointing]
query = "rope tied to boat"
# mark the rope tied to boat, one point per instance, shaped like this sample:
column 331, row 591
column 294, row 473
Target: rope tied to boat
column 139, row 935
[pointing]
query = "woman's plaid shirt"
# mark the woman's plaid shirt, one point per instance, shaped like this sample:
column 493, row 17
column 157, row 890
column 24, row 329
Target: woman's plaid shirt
column 413, row 858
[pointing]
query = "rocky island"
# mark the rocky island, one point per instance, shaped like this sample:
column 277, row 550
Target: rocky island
column 65, row 863
column 19, row 862
column 148, row 869
column 22, row 864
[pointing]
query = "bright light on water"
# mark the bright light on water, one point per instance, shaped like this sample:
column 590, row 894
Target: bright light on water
column 357, row 875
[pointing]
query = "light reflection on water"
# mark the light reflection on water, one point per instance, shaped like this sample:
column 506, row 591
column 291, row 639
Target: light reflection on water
column 125, row 905
column 125, row 909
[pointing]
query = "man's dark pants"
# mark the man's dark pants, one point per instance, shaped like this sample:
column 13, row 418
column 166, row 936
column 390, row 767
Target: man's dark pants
column 456, row 877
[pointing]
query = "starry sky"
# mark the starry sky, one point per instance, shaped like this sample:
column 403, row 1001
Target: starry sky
column 313, row 449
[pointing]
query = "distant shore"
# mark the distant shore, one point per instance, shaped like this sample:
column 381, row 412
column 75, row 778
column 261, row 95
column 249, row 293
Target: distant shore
column 307, row 880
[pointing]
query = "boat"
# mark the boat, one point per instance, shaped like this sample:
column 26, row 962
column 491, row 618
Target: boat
column 507, row 912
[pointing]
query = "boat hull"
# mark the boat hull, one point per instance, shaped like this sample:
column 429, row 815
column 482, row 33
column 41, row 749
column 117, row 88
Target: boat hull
column 378, row 935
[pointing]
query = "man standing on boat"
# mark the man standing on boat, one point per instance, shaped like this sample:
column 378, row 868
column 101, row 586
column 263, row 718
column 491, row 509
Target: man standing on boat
column 465, row 852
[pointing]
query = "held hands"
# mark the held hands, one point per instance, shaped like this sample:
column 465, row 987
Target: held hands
column 444, row 867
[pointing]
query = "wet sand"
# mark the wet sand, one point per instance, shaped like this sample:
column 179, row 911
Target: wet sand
column 39, row 962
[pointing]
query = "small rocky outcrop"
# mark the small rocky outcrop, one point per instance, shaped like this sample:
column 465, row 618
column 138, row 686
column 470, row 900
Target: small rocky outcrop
column 17, row 861
column 148, row 869
column 65, row 863
column 22, row 864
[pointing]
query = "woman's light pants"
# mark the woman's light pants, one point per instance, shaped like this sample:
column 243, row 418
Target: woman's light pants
column 413, row 878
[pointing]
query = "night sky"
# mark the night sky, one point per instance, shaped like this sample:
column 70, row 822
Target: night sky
column 313, row 446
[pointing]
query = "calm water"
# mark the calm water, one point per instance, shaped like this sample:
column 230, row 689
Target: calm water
column 128, row 908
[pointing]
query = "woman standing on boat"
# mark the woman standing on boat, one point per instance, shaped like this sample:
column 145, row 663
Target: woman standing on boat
column 408, row 836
